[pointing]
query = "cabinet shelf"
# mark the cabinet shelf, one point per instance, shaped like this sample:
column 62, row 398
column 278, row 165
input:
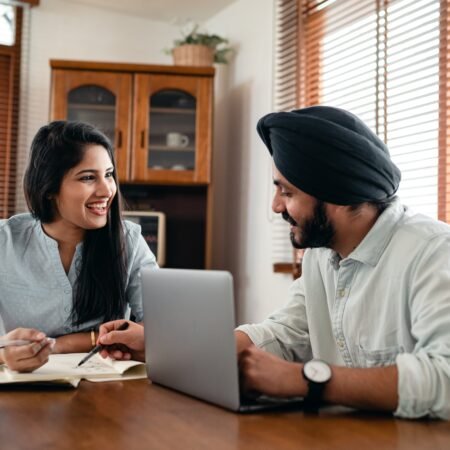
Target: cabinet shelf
column 158, row 110
column 165, row 148
column 91, row 106
column 170, row 169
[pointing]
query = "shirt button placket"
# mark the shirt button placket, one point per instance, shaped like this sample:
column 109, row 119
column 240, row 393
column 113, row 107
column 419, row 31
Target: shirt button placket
column 340, row 297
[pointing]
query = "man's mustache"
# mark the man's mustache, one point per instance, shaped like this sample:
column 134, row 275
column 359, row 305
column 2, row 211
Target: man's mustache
column 289, row 219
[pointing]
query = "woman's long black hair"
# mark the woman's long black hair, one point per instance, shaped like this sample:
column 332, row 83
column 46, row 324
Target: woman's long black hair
column 100, row 288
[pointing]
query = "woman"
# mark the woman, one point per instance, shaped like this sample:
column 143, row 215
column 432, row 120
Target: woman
column 72, row 263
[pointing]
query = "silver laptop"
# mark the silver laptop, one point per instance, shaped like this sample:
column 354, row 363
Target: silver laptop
column 189, row 338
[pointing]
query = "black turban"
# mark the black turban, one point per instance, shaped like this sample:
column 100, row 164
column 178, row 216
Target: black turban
column 330, row 154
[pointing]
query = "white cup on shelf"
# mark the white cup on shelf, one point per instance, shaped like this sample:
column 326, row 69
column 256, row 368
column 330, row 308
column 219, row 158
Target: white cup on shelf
column 175, row 139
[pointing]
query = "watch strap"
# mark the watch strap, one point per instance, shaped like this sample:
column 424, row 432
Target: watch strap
column 313, row 399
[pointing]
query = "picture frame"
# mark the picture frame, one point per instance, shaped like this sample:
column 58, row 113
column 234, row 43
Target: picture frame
column 153, row 225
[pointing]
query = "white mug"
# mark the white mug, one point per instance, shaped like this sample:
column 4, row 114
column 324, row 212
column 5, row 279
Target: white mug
column 174, row 139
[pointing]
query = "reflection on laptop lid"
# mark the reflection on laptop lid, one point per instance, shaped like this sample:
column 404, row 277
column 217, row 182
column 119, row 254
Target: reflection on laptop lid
column 189, row 339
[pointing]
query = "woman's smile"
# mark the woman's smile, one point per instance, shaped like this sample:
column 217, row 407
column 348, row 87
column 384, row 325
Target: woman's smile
column 98, row 208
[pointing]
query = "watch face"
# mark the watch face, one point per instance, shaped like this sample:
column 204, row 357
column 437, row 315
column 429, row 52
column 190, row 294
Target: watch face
column 317, row 371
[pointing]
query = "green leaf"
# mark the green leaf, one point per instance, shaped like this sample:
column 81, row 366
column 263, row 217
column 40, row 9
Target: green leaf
column 210, row 40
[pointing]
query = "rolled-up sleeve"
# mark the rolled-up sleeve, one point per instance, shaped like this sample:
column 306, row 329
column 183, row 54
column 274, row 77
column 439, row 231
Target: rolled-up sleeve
column 285, row 332
column 424, row 387
column 424, row 374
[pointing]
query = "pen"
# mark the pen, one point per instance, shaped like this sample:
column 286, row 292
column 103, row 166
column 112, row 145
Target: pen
column 17, row 342
column 9, row 342
column 98, row 347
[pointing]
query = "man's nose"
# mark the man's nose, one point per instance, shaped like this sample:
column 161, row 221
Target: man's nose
column 277, row 204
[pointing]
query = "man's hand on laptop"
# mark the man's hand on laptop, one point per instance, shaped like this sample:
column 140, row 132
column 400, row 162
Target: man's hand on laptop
column 123, row 344
column 266, row 373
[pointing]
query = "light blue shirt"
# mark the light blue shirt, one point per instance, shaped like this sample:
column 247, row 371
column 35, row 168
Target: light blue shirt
column 35, row 290
column 387, row 303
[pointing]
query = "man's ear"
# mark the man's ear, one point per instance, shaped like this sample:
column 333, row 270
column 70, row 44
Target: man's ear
column 333, row 210
column 338, row 213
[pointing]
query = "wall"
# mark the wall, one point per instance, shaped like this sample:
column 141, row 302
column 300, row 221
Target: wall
column 63, row 30
column 242, row 165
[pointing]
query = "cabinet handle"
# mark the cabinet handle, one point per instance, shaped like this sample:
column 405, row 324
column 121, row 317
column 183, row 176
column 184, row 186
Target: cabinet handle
column 119, row 139
column 143, row 139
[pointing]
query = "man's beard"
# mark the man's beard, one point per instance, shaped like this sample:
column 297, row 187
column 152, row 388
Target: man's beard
column 316, row 231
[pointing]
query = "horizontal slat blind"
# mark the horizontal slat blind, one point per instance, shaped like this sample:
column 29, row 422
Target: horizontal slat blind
column 341, row 56
column 387, row 61
column 6, row 114
column 29, row 118
column 380, row 60
column 9, row 108
column 412, row 99
column 444, row 114
column 14, row 124
column 286, row 92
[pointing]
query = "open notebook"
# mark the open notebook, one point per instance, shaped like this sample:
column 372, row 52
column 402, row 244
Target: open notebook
column 62, row 369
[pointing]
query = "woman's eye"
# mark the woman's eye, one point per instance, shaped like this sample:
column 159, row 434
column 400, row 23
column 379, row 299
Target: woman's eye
column 87, row 178
column 109, row 174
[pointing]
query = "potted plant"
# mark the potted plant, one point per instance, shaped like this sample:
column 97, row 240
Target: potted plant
column 197, row 48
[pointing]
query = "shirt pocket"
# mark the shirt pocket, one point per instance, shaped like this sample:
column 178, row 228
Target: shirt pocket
column 379, row 358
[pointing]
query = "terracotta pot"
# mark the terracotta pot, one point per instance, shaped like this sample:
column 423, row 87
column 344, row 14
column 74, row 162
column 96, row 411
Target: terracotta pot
column 193, row 55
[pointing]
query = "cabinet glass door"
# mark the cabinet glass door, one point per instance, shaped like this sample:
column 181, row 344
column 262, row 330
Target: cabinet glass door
column 101, row 99
column 172, row 139
column 94, row 105
column 172, row 129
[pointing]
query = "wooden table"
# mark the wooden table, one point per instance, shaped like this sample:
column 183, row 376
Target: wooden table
column 133, row 415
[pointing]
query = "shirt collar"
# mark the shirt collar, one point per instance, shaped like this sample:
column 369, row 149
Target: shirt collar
column 43, row 236
column 371, row 248
column 49, row 240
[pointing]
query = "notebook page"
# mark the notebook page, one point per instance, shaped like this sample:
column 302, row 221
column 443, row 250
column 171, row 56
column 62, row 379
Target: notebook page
column 62, row 366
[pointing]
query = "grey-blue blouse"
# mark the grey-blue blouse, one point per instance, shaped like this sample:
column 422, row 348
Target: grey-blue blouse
column 36, row 292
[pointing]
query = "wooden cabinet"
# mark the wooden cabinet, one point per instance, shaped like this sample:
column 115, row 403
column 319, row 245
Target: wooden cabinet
column 159, row 119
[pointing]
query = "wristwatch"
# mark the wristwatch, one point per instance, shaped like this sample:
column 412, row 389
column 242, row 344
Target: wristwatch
column 317, row 373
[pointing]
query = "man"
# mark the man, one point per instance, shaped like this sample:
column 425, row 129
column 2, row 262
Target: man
column 367, row 324
column 373, row 301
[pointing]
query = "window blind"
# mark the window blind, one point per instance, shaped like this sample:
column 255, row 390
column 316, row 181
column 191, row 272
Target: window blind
column 9, row 105
column 286, row 93
column 14, row 144
column 29, row 115
column 444, row 113
column 380, row 60
column 387, row 62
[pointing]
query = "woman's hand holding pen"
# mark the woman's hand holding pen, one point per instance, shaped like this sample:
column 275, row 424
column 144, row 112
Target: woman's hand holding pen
column 28, row 357
column 126, row 344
